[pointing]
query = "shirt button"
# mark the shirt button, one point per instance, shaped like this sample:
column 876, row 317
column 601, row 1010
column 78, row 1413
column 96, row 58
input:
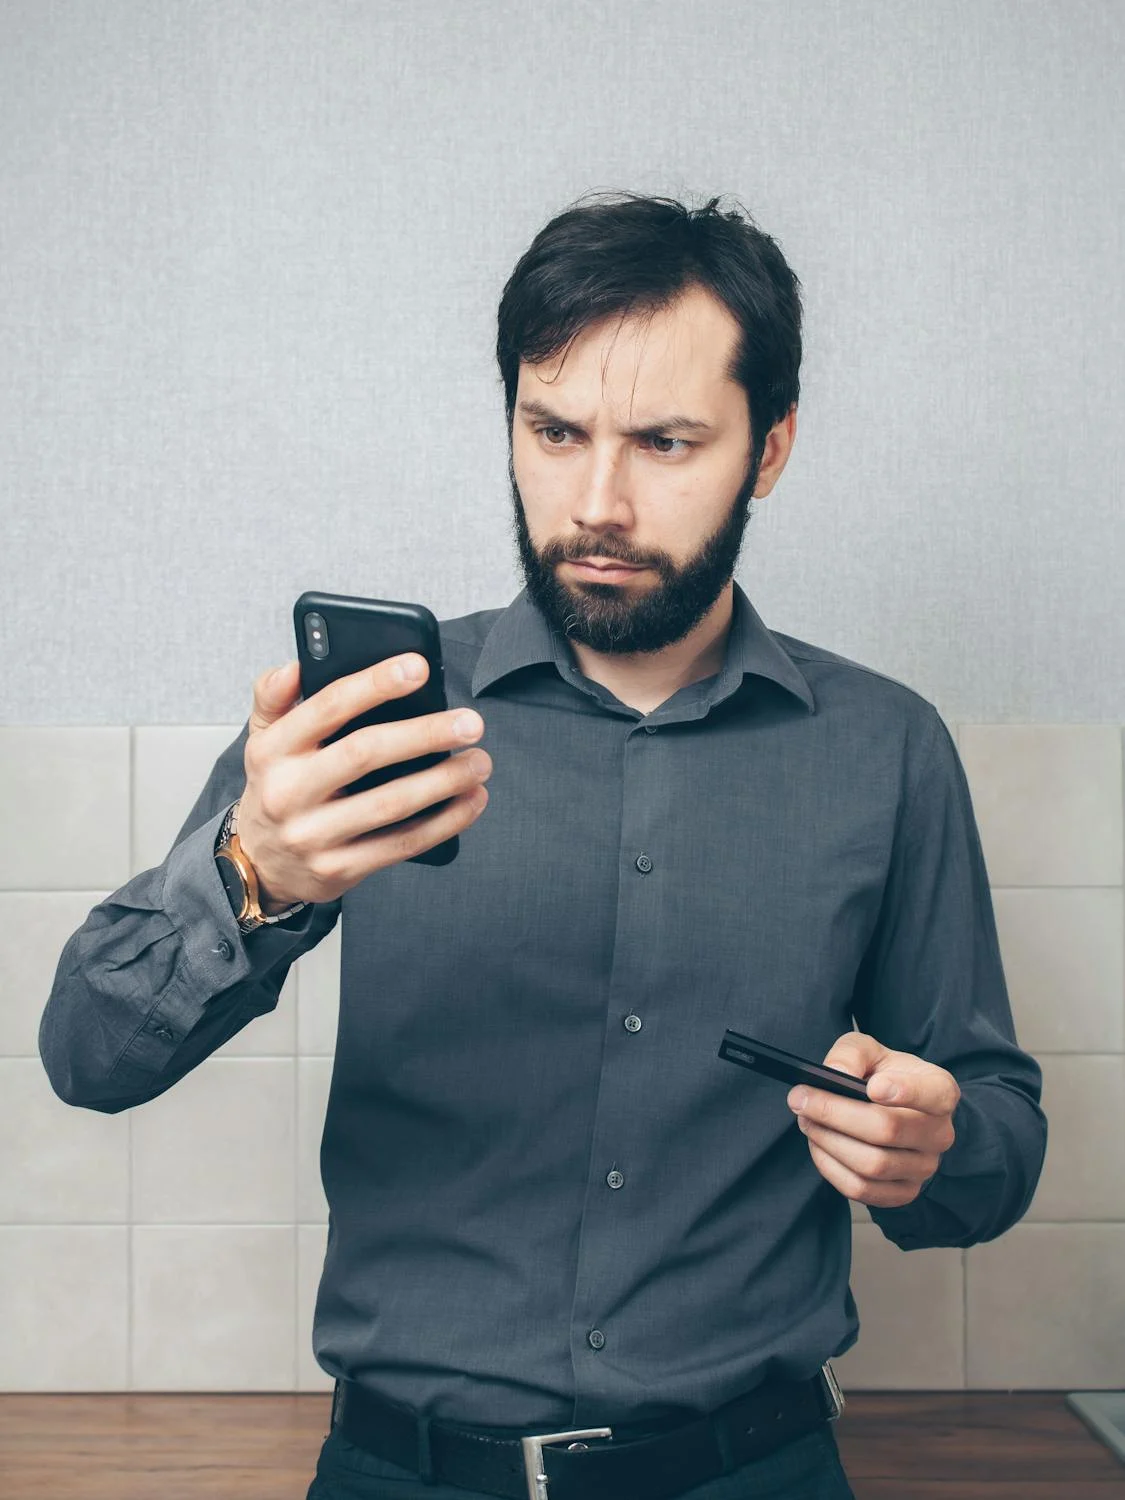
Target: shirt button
column 643, row 863
column 595, row 1338
column 633, row 1023
column 650, row 728
column 225, row 948
column 615, row 1180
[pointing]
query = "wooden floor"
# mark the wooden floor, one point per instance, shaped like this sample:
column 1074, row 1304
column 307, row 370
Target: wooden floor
column 951, row 1445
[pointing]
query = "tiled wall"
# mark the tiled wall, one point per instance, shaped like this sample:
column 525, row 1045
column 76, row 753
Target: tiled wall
column 177, row 1246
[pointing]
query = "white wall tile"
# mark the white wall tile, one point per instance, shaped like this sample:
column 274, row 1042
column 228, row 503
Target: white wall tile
column 312, row 1241
column 213, row 1308
column 171, row 764
column 318, row 995
column 1046, row 1309
column 1047, row 799
column 314, row 1077
column 61, row 1164
column 64, row 1310
column 911, row 1317
column 1083, row 1175
column 64, row 809
column 219, row 1146
column 34, row 928
column 1064, row 961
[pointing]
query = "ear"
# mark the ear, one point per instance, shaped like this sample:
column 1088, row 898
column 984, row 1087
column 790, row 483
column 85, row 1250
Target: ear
column 779, row 444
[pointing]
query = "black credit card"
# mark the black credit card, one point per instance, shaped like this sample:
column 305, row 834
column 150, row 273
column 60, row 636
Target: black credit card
column 760, row 1057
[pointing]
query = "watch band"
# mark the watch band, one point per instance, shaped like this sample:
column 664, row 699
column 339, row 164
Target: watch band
column 249, row 915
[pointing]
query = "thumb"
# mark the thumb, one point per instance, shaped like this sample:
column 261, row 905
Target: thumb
column 859, row 1054
column 274, row 695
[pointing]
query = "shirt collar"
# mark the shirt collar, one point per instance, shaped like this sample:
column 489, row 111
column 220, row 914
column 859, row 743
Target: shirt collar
column 521, row 637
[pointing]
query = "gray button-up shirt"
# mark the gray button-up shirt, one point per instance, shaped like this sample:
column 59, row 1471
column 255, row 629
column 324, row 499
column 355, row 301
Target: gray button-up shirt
column 551, row 1203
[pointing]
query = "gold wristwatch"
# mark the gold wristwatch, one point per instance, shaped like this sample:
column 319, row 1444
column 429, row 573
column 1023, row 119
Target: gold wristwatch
column 240, row 880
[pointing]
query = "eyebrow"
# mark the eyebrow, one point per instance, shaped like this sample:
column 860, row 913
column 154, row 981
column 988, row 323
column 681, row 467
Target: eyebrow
column 666, row 424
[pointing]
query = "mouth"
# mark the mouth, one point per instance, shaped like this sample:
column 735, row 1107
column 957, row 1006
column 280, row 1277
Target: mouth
column 605, row 569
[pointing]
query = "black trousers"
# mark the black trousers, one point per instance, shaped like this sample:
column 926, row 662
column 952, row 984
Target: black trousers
column 807, row 1469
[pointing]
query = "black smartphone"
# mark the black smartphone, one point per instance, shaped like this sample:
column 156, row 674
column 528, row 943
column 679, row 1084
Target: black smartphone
column 338, row 634
column 788, row 1067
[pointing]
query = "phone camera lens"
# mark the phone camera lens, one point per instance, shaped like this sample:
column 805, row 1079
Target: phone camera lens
column 316, row 635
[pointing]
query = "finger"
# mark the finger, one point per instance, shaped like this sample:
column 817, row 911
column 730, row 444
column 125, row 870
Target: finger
column 874, row 1163
column 927, row 1088
column 318, row 717
column 347, row 818
column 275, row 692
column 886, row 1194
column 878, row 1124
column 377, row 745
column 390, row 846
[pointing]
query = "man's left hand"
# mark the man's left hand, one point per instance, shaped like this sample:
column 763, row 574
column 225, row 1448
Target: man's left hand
column 881, row 1153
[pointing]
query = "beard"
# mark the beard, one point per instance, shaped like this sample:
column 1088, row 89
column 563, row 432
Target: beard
column 615, row 618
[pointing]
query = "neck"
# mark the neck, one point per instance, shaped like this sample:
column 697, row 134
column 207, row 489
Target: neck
column 645, row 680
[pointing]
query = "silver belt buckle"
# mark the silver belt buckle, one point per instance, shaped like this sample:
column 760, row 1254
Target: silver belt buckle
column 834, row 1391
column 533, row 1455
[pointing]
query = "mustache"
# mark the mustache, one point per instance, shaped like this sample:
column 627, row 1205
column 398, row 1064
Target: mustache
column 573, row 550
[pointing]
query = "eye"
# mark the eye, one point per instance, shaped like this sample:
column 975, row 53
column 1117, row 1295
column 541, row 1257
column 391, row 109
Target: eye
column 658, row 437
column 653, row 437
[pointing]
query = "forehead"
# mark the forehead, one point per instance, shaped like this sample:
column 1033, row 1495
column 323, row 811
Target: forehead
column 679, row 355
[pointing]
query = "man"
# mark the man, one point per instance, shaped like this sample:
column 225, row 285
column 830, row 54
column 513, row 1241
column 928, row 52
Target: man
column 554, row 1208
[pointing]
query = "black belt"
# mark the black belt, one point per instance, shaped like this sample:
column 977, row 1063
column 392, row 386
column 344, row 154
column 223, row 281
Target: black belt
column 593, row 1466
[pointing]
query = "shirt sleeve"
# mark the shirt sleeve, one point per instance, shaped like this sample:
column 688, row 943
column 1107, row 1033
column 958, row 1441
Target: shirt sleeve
column 932, row 983
column 159, row 974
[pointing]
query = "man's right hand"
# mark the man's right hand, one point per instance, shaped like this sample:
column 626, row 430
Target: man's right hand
column 308, row 841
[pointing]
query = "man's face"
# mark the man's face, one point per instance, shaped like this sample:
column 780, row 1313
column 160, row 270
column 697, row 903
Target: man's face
column 670, row 502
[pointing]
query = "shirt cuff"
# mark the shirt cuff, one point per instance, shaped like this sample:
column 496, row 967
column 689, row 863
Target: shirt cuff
column 217, row 954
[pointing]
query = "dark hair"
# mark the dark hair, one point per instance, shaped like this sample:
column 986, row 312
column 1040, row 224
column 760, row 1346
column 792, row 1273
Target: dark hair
column 636, row 255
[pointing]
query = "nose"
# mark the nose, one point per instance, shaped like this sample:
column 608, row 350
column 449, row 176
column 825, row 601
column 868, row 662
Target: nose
column 603, row 499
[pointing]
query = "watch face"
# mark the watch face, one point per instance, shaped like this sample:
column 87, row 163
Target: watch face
column 232, row 883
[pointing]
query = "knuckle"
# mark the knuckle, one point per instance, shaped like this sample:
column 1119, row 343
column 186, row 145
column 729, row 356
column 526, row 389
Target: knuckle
column 270, row 803
column 356, row 749
column 883, row 1166
column 886, row 1130
column 408, row 842
column 253, row 755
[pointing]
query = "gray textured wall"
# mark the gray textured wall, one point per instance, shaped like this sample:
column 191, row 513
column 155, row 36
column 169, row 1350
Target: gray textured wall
column 251, row 259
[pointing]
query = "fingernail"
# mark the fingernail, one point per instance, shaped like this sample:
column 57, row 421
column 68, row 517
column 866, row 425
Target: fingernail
column 798, row 1098
column 468, row 726
column 410, row 669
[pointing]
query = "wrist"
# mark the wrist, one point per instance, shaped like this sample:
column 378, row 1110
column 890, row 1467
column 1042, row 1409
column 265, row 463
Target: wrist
column 251, row 904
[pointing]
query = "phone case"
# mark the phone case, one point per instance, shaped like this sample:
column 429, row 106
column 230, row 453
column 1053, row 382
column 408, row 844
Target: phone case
column 362, row 632
column 760, row 1057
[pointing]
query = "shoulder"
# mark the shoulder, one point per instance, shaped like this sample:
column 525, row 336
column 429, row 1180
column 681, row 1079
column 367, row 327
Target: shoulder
column 866, row 702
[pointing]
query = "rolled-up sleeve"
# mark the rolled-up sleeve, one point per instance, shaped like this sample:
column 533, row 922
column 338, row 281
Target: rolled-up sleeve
column 159, row 975
column 932, row 983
